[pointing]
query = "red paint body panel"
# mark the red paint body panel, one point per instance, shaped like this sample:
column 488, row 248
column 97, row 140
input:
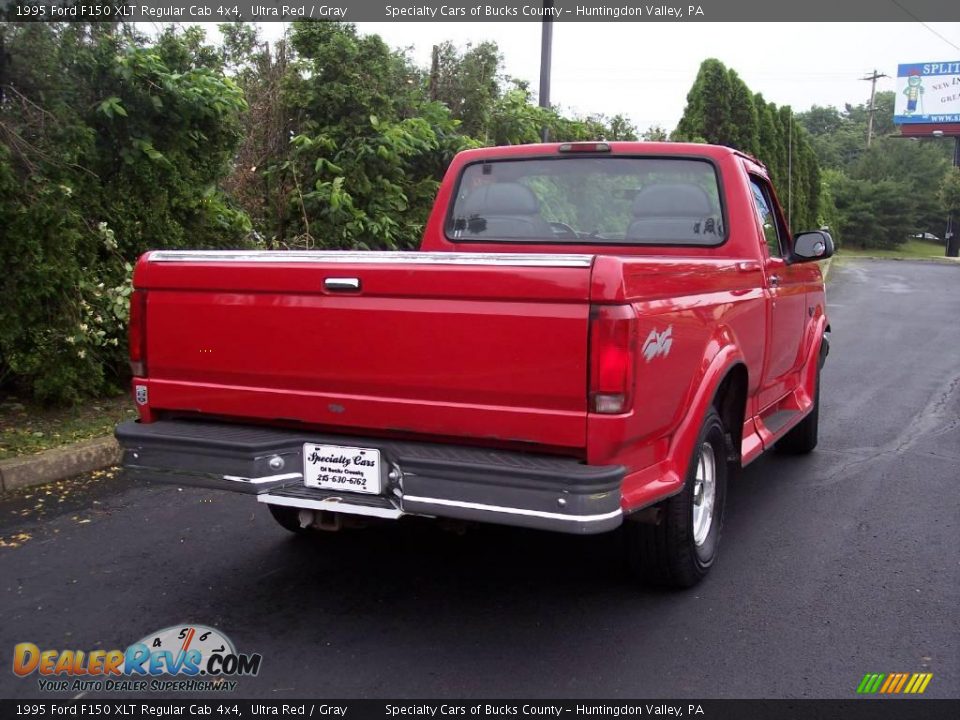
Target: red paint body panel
column 496, row 354
column 431, row 350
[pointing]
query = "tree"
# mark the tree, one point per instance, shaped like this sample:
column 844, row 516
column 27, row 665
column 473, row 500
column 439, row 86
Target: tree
column 839, row 138
column 621, row 128
column 949, row 192
column 829, row 216
column 721, row 110
column 708, row 112
column 777, row 162
column 821, row 120
column 744, row 122
column 262, row 72
column 113, row 142
column 883, row 124
column 367, row 146
column 468, row 83
column 655, row 133
column 918, row 166
column 874, row 213
column 108, row 146
column 768, row 141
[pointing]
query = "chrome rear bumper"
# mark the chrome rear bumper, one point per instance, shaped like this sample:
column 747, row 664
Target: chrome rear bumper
column 493, row 486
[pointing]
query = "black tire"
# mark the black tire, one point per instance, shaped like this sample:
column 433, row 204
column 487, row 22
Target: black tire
column 666, row 553
column 288, row 518
column 802, row 439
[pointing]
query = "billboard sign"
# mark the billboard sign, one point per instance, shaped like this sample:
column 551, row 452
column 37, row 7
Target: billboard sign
column 927, row 93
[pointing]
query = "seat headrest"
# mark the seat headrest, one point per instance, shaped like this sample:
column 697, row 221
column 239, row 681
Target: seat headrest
column 672, row 201
column 501, row 199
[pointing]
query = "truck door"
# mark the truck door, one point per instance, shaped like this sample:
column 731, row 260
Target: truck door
column 786, row 297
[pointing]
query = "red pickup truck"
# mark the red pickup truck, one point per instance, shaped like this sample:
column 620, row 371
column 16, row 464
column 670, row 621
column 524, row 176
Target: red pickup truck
column 592, row 336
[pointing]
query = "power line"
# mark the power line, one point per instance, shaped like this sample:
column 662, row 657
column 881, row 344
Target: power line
column 925, row 25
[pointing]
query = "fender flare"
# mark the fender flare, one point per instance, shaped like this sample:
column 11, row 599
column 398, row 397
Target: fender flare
column 718, row 368
column 818, row 347
column 660, row 481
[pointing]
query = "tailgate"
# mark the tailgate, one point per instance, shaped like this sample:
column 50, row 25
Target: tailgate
column 446, row 344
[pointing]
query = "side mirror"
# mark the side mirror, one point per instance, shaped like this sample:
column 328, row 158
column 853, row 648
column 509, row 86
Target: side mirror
column 811, row 245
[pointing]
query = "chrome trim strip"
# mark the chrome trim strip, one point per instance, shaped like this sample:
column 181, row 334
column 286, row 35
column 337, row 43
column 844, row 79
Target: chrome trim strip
column 514, row 511
column 373, row 257
column 332, row 506
column 341, row 283
column 264, row 479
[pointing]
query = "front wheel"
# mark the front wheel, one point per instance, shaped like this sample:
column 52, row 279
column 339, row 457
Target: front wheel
column 681, row 547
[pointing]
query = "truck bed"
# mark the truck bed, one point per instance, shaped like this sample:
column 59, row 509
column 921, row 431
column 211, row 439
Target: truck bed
column 490, row 346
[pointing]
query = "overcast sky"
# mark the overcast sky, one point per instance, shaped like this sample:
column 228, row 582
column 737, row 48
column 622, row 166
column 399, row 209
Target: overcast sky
column 644, row 70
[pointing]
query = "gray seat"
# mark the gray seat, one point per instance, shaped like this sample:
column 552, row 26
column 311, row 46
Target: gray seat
column 672, row 213
column 504, row 210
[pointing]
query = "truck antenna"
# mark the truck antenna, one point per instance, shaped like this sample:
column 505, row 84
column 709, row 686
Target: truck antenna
column 790, row 171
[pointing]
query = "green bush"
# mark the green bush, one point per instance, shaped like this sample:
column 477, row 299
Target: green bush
column 108, row 147
column 113, row 143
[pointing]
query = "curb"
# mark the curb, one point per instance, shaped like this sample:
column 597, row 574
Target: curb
column 58, row 463
column 943, row 260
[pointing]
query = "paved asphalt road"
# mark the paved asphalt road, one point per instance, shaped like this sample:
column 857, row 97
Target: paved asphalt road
column 834, row 565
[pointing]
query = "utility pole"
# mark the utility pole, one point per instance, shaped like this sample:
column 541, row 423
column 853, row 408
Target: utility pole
column 434, row 72
column 873, row 91
column 546, row 54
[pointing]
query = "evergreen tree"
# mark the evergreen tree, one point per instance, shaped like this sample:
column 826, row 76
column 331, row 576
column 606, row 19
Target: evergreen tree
column 744, row 123
column 767, row 140
column 708, row 112
column 721, row 110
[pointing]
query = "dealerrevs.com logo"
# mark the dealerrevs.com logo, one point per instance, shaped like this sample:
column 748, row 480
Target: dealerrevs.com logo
column 182, row 658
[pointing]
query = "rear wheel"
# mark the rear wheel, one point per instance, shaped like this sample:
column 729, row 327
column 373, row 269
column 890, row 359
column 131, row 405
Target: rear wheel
column 681, row 547
column 287, row 517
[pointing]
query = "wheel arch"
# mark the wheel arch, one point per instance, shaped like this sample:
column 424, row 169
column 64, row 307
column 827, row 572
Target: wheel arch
column 730, row 400
column 725, row 378
column 722, row 383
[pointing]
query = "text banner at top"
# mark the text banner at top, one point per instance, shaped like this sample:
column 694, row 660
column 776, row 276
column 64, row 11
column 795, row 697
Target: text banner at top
column 858, row 11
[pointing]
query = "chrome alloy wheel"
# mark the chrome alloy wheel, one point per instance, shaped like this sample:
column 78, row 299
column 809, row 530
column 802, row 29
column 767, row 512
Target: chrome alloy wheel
column 704, row 494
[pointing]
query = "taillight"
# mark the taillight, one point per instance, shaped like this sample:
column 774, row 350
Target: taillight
column 137, row 333
column 613, row 347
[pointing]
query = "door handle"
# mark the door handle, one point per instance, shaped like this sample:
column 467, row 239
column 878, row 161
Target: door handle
column 774, row 280
column 341, row 284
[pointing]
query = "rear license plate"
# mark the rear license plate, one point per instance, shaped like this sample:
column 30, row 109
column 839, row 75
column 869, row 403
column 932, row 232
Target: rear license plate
column 346, row 469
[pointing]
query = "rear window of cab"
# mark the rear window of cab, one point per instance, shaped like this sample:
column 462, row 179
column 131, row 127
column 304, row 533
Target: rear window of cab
column 578, row 200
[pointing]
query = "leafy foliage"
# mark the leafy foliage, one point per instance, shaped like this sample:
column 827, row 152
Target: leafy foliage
column 859, row 174
column 918, row 166
column 347, row 140
column 366, row 147
column 469, row 83
column 949, row 192
column 108, row 147
column 113, row 142
column 874, row 213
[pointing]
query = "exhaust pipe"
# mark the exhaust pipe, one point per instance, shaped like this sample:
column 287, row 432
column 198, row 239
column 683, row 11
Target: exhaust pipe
column 320, row 520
